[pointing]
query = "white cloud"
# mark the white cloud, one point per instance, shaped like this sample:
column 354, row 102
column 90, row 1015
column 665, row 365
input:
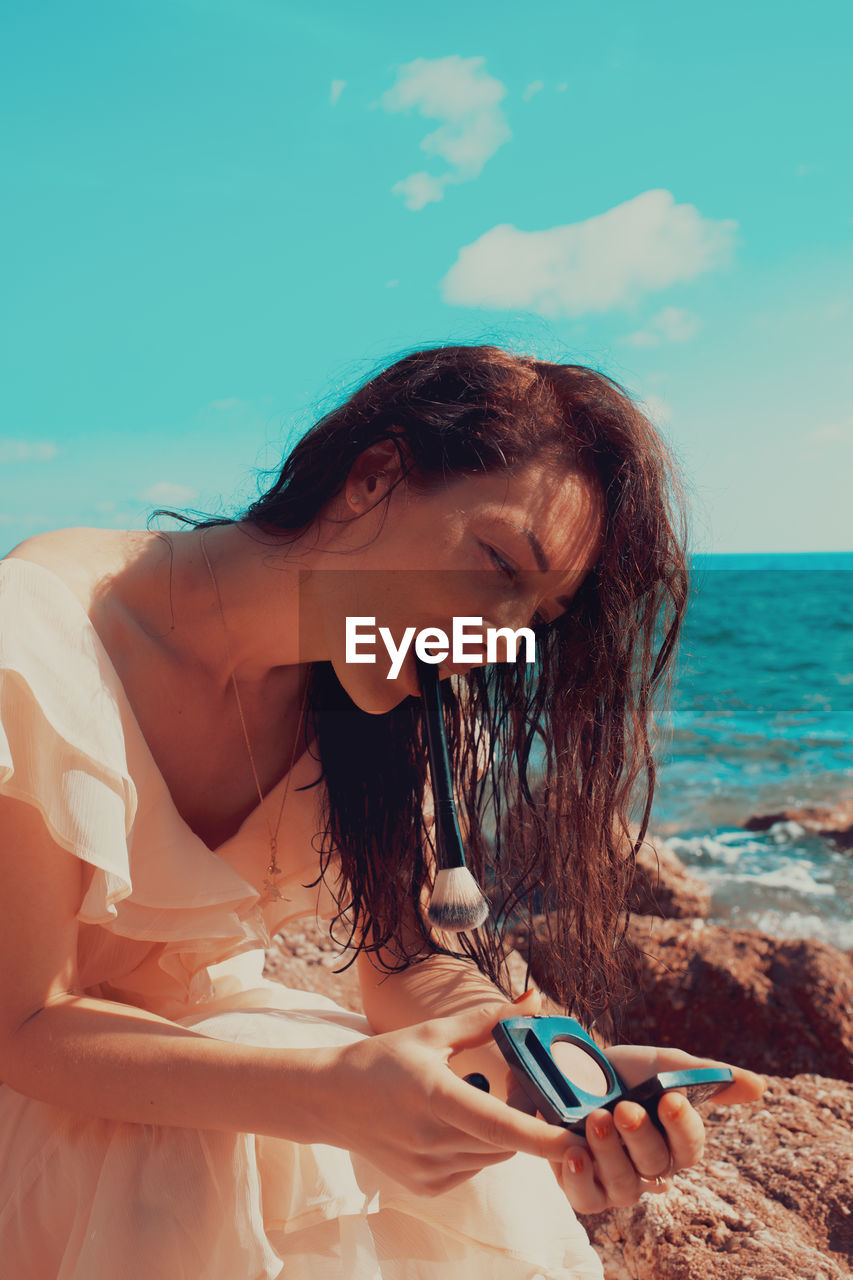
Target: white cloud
column 610, row 260
column 562, row 86
column 535, row 86
column 461, row 94
column 643, row 338
column 232, row 402
column 420, row 189
column 335, row 91
column 27, row 451
column 676, row 324
column 391, row 284
column 672, row 324
column 167, row 493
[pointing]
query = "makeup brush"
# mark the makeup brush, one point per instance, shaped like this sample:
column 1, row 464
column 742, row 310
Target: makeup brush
column 456, row 903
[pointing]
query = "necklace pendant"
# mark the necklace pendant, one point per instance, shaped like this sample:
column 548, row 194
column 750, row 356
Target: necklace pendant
column 272, row 893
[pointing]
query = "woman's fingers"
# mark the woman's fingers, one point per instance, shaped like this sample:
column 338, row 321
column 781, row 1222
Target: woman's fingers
column 576, row 1175
column 685, row 1131
column 615, row 1170
column 645, row 1145
column 492, row 1122
column 638, row 1062
column 652, row 1154
column 626, row 1153
column 747, row 1086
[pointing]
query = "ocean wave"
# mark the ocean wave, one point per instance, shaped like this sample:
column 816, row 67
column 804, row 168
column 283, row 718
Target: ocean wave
column 792, row 925
column 796, row 876
column 784, row 881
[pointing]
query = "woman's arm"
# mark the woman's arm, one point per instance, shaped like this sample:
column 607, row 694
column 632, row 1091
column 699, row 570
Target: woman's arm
column 390, row 1097
column 101, row 1058
column 435, row 986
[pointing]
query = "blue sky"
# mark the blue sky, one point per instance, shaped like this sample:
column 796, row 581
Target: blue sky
column 220, row 214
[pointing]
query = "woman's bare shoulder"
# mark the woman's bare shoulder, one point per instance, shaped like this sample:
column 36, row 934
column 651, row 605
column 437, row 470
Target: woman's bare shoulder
column 81, row 557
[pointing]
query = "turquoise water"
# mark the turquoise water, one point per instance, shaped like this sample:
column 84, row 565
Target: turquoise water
column 762, row 718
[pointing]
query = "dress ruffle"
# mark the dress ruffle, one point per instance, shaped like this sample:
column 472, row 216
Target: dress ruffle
column 71, row 746
column 61, row 735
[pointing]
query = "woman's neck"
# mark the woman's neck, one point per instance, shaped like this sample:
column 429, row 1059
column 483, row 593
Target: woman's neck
column 240, row 602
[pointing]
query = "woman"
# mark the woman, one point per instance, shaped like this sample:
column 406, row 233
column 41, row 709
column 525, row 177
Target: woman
column 190, row 760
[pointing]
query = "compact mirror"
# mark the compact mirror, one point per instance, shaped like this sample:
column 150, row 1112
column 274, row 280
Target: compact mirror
column 566, row 1076
column 561, row 1069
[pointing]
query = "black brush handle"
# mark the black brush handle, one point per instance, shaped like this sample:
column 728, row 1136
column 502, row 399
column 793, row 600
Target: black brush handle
column 448, row 835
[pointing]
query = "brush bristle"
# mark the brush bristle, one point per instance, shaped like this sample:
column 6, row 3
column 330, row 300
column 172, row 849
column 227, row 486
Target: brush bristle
column 456, row 903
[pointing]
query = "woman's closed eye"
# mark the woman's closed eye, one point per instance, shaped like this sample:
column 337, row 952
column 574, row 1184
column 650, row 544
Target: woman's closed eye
column 505, row 567
column 510, row 571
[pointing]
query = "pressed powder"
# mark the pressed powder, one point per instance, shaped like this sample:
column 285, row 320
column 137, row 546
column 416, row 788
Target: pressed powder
column 578, row 1067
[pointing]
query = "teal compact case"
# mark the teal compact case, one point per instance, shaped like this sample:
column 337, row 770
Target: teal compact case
column 526, row 1043
column 528, row 1046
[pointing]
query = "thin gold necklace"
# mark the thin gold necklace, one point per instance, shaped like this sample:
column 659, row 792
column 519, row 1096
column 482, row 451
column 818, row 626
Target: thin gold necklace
column 271, row 892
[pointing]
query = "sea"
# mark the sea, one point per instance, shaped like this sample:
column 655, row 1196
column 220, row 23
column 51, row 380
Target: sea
column 762, row 719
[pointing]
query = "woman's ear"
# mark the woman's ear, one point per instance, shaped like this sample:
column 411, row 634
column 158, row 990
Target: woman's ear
column 373, row 474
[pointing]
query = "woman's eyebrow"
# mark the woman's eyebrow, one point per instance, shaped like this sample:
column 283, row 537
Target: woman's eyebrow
column 538, row 555
column 535, row 545
column 536, row 548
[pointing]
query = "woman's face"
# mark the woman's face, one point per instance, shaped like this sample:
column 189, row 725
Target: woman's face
column 511, row 548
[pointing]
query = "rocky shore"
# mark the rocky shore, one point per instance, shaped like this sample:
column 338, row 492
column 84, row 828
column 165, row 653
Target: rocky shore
column 773, row 1198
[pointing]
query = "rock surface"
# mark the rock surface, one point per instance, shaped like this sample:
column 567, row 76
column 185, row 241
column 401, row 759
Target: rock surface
column 664, row 887
column 833, row 821
column 772, row 1200
column 779, row 1007
column 305, row 957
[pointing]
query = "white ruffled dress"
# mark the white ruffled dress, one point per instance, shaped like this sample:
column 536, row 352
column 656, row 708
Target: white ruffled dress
column 168, row 926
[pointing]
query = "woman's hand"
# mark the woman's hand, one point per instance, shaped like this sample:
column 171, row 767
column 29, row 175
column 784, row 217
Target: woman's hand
column 624, row 1152
column 393, row 1099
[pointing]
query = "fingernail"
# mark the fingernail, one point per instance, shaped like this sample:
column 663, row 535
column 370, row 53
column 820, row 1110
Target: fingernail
column 574, row 1164
column 673, row 1104
column 602, row 1129
column 524, row 995
column 630, row 1120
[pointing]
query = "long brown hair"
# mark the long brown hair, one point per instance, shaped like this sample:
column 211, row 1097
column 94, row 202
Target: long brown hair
column 570, row 739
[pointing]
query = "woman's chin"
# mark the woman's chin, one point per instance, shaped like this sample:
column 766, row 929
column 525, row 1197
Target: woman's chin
column 378, row 697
